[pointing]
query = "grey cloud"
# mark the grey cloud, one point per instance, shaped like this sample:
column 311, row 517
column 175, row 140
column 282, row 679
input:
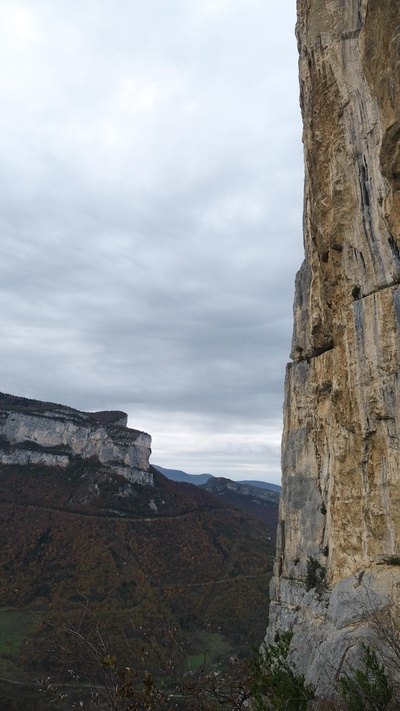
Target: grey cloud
column 151, row 213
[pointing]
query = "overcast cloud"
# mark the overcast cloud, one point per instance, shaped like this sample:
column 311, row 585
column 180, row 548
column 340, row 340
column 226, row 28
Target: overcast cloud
column 151, row 197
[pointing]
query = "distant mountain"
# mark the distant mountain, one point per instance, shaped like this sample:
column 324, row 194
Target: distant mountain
column 178, row 475
column 199, row 479
column 86, row 521
column 261, row 485
column 263, row 504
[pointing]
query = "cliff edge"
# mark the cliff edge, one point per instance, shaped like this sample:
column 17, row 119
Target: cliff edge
column 338, row 549
column 35, row 432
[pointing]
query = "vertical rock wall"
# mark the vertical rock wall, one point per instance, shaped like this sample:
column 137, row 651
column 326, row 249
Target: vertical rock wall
column 34, row 432
column 340, row 504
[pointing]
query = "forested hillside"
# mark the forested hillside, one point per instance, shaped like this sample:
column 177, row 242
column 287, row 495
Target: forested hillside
column 169, row 565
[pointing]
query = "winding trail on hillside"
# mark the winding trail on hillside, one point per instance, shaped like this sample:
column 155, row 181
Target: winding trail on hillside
column 223, row 580
column 109, row 517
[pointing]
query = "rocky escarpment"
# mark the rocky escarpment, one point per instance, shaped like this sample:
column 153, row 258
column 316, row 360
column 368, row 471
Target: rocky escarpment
column 260, row 503
column 34, row 432
column 338, row 550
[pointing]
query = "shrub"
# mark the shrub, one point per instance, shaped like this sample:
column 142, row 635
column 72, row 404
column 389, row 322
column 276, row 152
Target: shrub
column 275, row 685
column 315, row 576
column 367, row 689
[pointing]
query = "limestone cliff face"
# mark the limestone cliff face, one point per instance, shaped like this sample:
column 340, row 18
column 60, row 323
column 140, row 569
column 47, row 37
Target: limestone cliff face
column 340, row 503
column 33, row 432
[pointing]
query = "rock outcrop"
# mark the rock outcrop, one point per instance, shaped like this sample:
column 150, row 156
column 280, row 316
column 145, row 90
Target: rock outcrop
column 34, row 432
column 338, row 550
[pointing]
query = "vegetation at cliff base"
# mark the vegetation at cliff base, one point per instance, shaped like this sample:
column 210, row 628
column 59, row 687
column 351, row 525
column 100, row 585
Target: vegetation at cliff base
column 367, row 688
column 275, row 684
column 264, row 682
column 187, row 567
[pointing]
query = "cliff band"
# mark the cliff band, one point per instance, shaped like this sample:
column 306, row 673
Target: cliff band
column 34, row 432
column 338, row 551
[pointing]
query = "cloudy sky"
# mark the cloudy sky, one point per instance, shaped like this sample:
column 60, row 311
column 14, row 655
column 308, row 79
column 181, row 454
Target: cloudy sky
column 151, row 195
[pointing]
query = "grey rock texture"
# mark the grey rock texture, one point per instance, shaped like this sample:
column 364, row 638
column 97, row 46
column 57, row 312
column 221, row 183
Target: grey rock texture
column 340, row 502
column 33, row 432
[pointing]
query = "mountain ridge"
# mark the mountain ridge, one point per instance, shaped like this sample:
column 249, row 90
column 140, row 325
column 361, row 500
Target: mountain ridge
column 145, row 554
column 263, row 504
column 199, row 479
